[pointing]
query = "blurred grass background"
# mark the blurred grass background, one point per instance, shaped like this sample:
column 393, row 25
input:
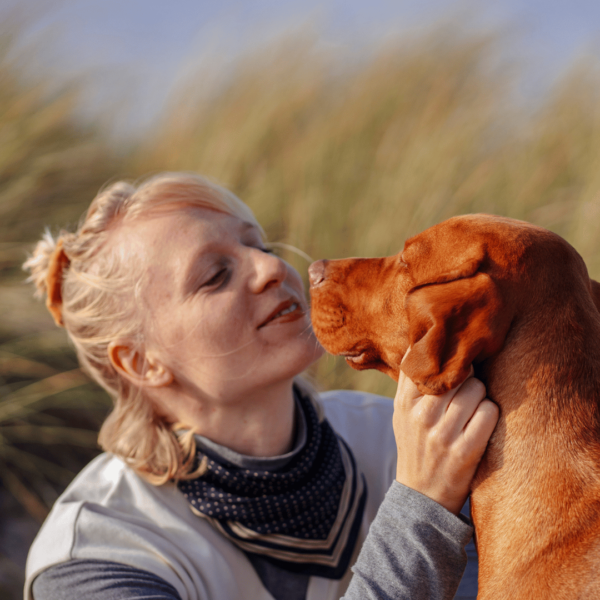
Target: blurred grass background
column 335, row 158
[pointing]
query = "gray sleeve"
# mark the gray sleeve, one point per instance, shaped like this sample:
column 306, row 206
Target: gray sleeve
column 415, row 550
column 100, row 580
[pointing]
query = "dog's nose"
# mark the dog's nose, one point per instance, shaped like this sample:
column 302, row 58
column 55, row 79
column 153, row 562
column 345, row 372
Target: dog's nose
column 316, row 272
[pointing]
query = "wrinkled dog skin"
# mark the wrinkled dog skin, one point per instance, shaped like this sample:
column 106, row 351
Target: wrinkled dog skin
column 516, row 301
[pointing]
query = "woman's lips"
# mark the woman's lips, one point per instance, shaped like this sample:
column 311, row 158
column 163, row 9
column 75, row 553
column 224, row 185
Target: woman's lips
column 287, row 311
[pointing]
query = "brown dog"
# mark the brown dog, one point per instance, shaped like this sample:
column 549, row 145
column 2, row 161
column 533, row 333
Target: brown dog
column 516, row 300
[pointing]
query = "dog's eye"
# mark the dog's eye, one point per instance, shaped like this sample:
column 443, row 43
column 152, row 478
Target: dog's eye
column 403, row 263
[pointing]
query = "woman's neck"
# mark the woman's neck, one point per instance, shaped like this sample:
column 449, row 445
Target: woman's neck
column 259, row 424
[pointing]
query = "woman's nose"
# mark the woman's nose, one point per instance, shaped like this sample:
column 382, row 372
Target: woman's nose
column 269, row 271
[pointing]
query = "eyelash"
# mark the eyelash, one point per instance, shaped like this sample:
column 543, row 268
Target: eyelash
column 216, row 278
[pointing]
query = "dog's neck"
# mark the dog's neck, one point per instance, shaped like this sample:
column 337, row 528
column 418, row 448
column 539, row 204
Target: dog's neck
column 537, row 484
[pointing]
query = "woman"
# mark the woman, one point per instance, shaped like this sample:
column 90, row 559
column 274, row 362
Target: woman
column 224, row 475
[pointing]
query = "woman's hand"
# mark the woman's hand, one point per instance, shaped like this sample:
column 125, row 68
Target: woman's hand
column 441, row 439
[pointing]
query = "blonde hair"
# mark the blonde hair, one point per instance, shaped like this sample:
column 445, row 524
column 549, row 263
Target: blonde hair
column 94, row 295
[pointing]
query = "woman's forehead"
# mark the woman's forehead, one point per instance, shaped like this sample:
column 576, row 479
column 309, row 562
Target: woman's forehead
column 213, row 225
column 185, row 235
column 195, row 222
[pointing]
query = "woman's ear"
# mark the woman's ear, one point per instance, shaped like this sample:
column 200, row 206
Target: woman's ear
column 143, row 370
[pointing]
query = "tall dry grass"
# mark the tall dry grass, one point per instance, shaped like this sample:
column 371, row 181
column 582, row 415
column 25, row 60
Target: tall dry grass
column 335, row 158
column 50, row 165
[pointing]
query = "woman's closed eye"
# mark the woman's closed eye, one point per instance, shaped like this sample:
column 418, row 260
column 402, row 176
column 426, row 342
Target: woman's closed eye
column 220, row 277
column 262, row 248
column 222, row 273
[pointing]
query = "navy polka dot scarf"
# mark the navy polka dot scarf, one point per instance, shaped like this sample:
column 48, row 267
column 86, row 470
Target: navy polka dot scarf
column 304, row 518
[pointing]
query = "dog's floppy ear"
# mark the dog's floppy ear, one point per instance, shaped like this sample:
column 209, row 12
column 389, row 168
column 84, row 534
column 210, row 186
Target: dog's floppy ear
column 452, row 325
column 456, row 315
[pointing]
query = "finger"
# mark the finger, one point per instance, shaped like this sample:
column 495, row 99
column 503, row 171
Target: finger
column 463, row 405
column 431, row 410
column 407, row 392
column 479, row 429
column 449, row 395
column 405, row 355
column 435, row 408
column 427, row 408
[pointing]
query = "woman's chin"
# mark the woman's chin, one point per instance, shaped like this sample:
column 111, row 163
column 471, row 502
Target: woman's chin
column 299, row 356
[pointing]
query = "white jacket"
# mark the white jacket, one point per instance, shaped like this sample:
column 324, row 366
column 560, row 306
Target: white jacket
column 110, row 513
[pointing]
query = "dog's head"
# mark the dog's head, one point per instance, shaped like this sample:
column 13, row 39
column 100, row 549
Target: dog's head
column 451, row 296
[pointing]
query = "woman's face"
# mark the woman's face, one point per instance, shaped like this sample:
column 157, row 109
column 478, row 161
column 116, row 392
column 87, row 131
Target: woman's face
column 224, row 315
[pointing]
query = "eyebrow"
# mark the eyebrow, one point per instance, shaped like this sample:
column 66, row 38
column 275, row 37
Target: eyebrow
column 246, row 225
column 190, row 279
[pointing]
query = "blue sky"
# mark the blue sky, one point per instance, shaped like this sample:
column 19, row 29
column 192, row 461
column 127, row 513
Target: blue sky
column 148, row 30
column 148, row 43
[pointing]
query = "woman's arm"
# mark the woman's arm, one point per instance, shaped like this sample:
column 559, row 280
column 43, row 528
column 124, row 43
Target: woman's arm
column 415, row 547
column 415, row 550
column 100, row 580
